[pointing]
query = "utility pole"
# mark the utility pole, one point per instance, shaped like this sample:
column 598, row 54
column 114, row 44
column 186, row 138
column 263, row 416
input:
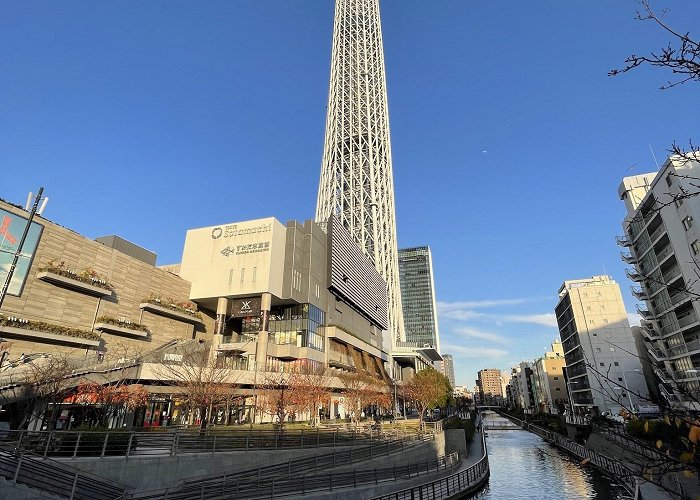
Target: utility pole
column 15, row 258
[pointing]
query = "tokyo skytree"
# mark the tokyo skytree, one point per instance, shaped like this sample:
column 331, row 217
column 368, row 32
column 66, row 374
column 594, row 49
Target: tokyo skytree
column 356, row 175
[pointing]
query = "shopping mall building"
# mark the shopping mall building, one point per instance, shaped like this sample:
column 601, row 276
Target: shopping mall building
column 259, row 295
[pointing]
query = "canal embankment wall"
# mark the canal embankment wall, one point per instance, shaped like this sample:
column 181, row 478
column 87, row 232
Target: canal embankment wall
column 145, row 472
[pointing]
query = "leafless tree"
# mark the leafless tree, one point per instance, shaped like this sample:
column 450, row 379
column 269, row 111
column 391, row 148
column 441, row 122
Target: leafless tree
column 312, row 390
column 202, row 381
column 281, row 395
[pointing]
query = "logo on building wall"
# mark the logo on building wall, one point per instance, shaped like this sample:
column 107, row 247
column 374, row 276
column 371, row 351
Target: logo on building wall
column 243, row 308
column 216, row 233
column 244, row 249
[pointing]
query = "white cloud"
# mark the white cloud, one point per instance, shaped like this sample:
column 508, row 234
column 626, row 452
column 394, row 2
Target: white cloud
column 467, row 331
column 462, row 314
column 546, row 319
column 474, row 352
column 477, row 304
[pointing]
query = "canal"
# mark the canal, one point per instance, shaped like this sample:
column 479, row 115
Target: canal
column 523, row 466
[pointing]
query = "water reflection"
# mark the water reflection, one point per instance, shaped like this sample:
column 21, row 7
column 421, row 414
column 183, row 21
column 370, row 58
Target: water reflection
column 524, row 466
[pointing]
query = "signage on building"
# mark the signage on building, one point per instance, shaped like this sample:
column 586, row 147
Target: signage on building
column 243, row 308
column 245, row 249
column 232, row 230
column 11, row 229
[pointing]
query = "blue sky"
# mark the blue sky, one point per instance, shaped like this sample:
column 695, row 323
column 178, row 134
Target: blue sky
column 144, row 119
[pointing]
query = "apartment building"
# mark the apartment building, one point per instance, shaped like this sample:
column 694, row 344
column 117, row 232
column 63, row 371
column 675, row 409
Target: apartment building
column 490, row 386
column 662, row 242
column 550, row 391
column 604, row 374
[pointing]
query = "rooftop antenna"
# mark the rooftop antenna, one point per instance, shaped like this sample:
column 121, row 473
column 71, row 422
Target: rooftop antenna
column 603, row 264
column 652, row 154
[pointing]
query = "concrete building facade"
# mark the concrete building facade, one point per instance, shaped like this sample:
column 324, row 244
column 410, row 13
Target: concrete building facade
column 490, row 385
column 602, row 374
column 550, row 384
column 449, row 367
column 662, row 243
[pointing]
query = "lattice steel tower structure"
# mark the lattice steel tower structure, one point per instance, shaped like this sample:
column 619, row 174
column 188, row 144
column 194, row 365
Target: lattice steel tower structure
column 356, row 177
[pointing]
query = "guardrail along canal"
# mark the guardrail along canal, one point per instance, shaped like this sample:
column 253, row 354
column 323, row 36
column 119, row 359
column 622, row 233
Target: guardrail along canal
column 523, row 466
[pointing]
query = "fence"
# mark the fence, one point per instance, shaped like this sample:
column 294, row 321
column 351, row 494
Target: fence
column 467, row 480
column 100, row 444
column 55, row 477
column 281, row 477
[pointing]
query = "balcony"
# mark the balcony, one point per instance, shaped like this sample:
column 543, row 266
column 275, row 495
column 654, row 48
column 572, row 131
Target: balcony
column 340, row 360
column 650, row 333
column 237, row 343
column 96, row 290
column 679, row 297
column 639, row 293
column 667, row 394
column 657, row 354
column 170, row 312
column 686, row 375
column 124, row 330
column 687, row 319
column 628, row 257
column 672, row 274
column 43, row 332
column 644, row 313
column 663, row 376
column 634, row 275
column 623, row 241
column 678, row 350
column 663, row 254
column 657, row 233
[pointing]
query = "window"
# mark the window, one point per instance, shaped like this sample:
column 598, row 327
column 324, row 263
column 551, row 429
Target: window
column 617, row 364
column 597, row 349
column 669, row 181
column 688, row 222
column 612, row 349
column 242, row 274
column 255, row 272
column 602, row 364
column 556, row 378
column 557, row 389
column 318, row 291
column 619, row 379
column 679, row 202
column 695, row 247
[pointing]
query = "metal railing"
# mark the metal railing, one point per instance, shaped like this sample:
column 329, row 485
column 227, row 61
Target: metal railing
column 449, row 486
column 247, row 483
column 100, row 444
column 55, row 477
column 609, row 465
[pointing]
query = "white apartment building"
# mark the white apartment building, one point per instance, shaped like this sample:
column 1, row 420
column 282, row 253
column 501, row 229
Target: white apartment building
column 604, row 374
column 550, row 385
column 663, row 241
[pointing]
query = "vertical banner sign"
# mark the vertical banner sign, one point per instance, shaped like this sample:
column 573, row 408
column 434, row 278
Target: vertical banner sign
column 11, row 229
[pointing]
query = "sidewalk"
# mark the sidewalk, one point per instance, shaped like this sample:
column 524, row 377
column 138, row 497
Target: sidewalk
column 475, row 450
